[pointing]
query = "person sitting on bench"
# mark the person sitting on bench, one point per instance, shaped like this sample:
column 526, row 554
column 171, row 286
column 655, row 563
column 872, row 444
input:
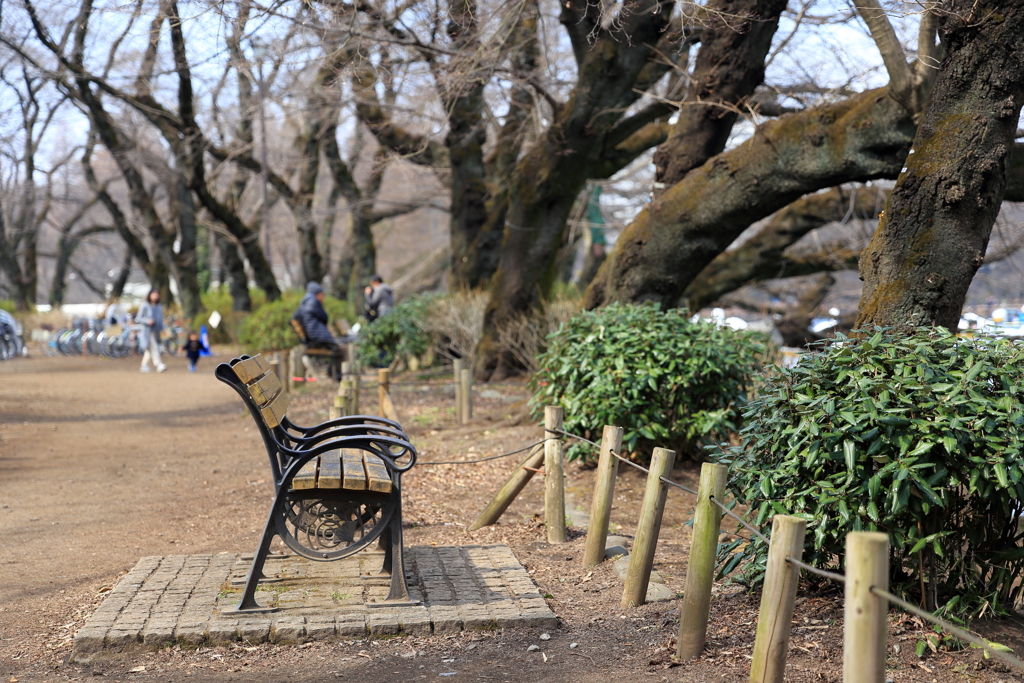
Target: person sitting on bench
column 313, row 318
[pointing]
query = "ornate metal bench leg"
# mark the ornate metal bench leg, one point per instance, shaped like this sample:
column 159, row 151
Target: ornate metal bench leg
column 394, row 564
column 248, row 604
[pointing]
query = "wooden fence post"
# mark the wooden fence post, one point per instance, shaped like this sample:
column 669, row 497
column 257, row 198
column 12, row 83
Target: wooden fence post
column 554, row 476
column 275, row 366
column 344, row 398
column 357, row 388
column 641, row 560
column 383, row 386
column 467, row 394
column 777, row 598
column 346, row 370
column 293, row 370
column 511, row 490
column 700, row 572
column 864, row 640
column 604, row 491
column 457, row 371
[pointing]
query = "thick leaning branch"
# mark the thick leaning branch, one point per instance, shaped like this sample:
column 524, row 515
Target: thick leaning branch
column 761, row 257
column 675, row 237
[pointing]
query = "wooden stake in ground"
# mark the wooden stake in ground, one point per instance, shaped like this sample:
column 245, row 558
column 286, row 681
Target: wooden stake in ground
column 554, row 476
column 466, row 378
column 700, row 571
column 294, row 361
column 457, row 372
column 344, row 398
column 604, row 490
column 641, row 561
column 383, row 386
column 511, row 490
column 867, row 566
column 777, row 597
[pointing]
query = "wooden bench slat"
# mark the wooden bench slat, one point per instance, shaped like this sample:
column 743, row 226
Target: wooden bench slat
column 275, row 411
column 354, row 473
column 251, row 369
column 377, row 474
column 265, row 389
column 330, row 471
column 306, row 477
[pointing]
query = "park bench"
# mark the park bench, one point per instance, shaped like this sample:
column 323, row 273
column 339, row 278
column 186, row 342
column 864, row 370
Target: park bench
column 316, row 357
column 337, row 485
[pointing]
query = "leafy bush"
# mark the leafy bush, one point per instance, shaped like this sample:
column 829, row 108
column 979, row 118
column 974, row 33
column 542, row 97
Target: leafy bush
column 918, row 436
column 7, row 305
column 665, row 380
column 219, row 299
column 268, row 328
column 399, row 334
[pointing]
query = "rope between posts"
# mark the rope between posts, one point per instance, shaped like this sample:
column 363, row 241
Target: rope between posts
column 492, row 457
column 625, row 460
column 946, row 626
column 838, row 578
column 752, row 529
column 832, row 576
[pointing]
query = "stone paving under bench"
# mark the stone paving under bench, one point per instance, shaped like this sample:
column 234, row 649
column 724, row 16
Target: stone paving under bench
column 179, row 598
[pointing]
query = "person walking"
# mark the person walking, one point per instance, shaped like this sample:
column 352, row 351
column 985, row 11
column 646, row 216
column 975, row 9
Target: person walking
column 151, row 317
column 193, row 348
column 379, row 299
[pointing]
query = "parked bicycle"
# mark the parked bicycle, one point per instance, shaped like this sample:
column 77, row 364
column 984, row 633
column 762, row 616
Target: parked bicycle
column 11, row 343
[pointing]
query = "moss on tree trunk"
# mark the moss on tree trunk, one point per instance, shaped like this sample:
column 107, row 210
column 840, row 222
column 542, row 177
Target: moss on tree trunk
column 934, row 232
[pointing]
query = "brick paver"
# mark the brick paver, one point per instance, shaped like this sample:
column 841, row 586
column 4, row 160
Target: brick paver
column 180, row 598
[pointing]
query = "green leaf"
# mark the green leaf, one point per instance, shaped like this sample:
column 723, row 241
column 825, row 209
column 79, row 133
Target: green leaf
column 850, row 454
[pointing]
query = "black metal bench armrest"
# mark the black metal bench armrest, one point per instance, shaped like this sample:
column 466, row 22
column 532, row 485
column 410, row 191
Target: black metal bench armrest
column 378, row 445
column 341, row 422
column 304, row 442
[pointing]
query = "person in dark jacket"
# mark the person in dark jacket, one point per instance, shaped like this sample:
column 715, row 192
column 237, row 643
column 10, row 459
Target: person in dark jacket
column 313, row 318
column 193, row 348
column 379, row 299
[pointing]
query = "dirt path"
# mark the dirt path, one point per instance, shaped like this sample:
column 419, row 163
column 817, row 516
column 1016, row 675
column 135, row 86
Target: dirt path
column 101, row 465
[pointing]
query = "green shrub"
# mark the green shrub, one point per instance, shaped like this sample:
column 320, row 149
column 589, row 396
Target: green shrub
column 666, row 381
column 918, row 436
column 269, row 329
column 8, row 305
column 399, row 334
column 219, row 299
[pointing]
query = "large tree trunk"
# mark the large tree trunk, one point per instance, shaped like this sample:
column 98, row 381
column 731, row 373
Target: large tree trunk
column 462, row 92
column 187, row 257
column 232, row 270
column 677, row 235
column 580, row 144
column 934, row 232
column 729, row 67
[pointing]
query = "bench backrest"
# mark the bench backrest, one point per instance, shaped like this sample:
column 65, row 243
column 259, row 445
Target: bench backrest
column 264, row 387
column 297, row 326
